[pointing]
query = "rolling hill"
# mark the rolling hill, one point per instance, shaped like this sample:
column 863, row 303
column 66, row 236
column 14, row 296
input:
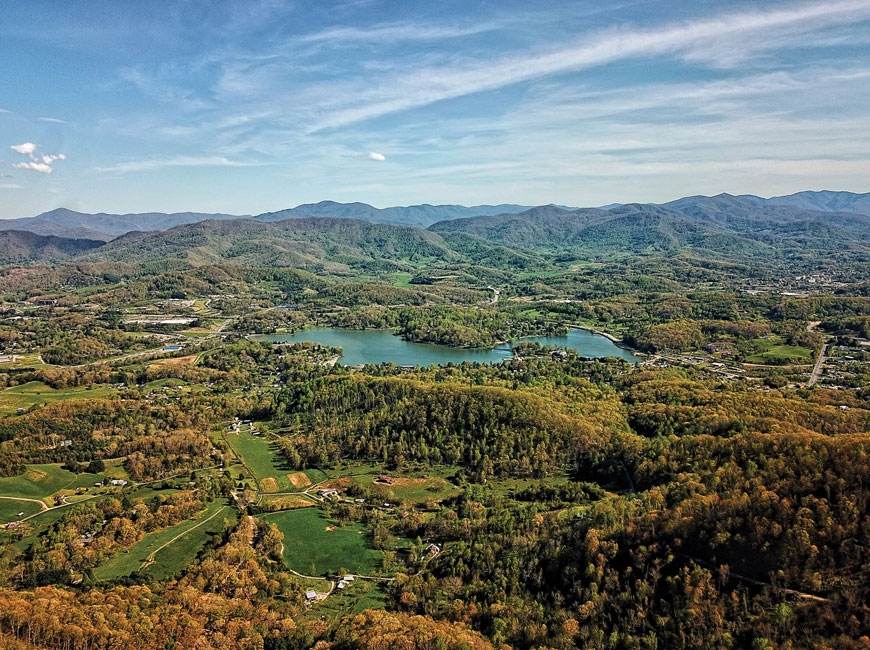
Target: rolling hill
column 18, row 247
column 414, row 215
column 723, row 226
column 69, row 223
column 302, row 243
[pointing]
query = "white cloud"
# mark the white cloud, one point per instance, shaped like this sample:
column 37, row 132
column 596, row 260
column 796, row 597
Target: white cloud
column 42, row 168
column 25, row 149
column 53, row 120
column 373, row 155
column 11, row 186
column 41, row 163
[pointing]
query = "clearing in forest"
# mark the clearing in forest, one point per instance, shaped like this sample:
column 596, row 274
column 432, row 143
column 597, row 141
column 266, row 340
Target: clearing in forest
column 311, row 549
column 264, row 459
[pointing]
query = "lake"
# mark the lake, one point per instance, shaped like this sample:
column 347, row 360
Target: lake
column 381, row 346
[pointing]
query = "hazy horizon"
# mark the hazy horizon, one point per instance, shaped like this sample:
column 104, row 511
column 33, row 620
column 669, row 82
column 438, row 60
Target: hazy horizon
column 256, row 107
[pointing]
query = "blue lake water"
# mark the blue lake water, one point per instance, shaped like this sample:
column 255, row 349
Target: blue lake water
column 381, row 346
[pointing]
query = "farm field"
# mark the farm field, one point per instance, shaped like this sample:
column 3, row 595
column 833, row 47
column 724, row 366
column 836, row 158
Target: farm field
column 10, row 507
column 36, row 393
column 773, row 349
column 42, row 481
column 418, row 489
column 287, row 502
column 270, row 470
column 314, row 545
column 170, row 549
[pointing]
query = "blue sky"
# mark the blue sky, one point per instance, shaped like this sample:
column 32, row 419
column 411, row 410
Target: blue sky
column 245, row 106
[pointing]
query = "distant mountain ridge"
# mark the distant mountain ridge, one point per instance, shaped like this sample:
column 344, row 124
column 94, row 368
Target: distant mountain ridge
column 421, row 216
column 105, row 227
column 724, row 227
column 71, row 224
column 19, row 247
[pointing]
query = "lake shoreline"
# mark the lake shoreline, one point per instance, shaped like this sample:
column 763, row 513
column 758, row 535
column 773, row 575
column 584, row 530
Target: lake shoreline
column 360, row 347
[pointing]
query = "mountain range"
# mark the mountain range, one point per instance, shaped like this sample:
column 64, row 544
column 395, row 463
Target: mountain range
column 359, row 235
column 69, row 223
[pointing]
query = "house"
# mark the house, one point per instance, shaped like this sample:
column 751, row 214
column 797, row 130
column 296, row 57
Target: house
column 119, row 482
column 348, row 578
column 310, row 595
column 12, row 525
column 327, row 494
column 341, row 584
column 434, row 549
column 383, row 478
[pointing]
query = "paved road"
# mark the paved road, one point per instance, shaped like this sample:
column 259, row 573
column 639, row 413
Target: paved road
column 817, row 370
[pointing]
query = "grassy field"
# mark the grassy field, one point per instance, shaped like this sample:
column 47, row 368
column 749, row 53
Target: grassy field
column 772, row 350
column 35, row 393
column 411, row 489
column 316, row 475
column 358, row 596
column 9, row 509
column 172, row 549
column 265, row 461
column 42, row 481
column 23, row 361
column 287, row 502
column 403, row 280
column 313, row 545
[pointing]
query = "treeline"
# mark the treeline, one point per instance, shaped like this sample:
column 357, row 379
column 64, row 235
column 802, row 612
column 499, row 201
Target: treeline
column 489, row 431
column 154, row 440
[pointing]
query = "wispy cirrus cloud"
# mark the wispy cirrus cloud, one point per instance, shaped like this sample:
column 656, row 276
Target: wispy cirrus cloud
column 178, row 161
column 393, row 33
column 716, row 41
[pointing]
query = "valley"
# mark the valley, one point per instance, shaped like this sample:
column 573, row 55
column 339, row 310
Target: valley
column 185, row 430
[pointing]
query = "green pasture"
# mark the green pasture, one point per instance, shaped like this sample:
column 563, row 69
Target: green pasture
column 311, row 548
column 403, row 280
column 418, row 489
column 264, row 460
column 36, row 393
column 772, row 350
column 9, row 509
column 316, row 475
column 357, row 597
column 171, row 549
column 42, row 481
